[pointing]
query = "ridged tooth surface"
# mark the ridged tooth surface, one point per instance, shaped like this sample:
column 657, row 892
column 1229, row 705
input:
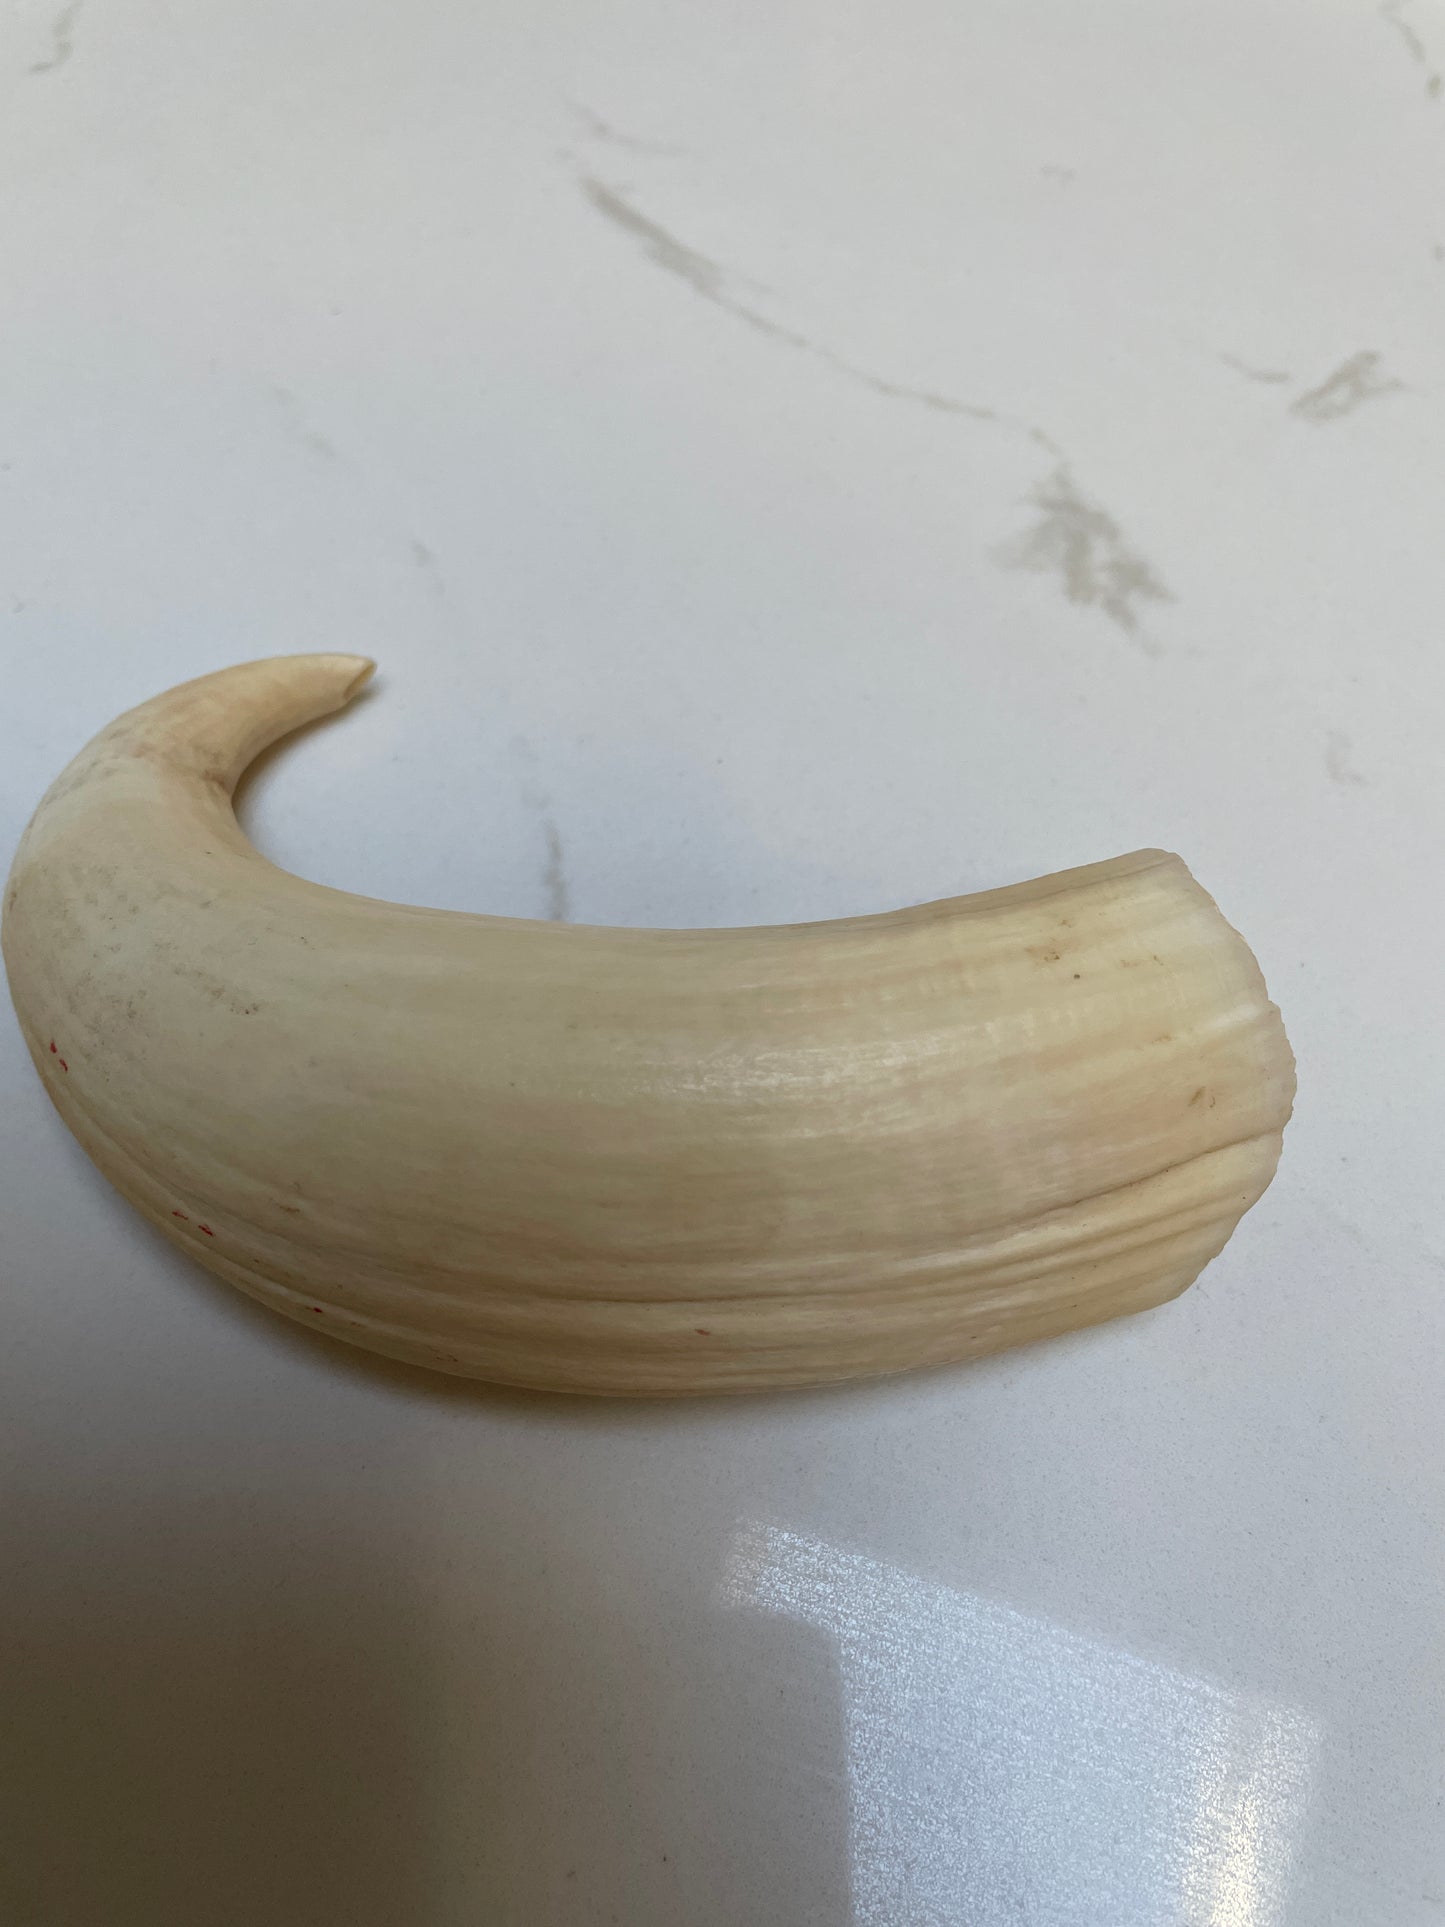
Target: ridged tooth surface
column 630, row 1161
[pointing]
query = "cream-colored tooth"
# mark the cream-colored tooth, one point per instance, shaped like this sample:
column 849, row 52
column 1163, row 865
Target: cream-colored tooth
column 630, row 1161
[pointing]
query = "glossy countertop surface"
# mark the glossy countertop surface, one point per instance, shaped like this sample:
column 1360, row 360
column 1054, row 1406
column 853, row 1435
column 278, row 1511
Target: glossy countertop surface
column 787, row 462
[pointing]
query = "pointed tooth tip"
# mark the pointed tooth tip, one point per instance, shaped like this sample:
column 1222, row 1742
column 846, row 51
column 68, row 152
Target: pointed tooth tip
column 330, row 670
column 358, row 671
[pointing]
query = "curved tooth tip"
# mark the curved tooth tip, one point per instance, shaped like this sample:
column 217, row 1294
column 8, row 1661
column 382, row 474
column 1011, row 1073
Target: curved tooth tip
column 360, row 670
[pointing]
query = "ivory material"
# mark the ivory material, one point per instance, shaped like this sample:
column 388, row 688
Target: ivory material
column 630, row 1161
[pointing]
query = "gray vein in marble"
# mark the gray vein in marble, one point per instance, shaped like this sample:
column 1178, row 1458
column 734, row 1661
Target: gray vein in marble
column 1356, row 380
column 1393, row 11
column 556, row 893
column 1338, row 766
column 299, row 426
column 424, row 561
column 62, row 39
column 603, row 130
column 1075, row 539
column 706, row 278
column 554, row 876
column 1251, row 373
column 896, row 391
column 664, row 250
column 1080, row 543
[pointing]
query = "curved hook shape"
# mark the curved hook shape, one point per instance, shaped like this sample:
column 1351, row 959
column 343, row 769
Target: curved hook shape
column 630, row 1161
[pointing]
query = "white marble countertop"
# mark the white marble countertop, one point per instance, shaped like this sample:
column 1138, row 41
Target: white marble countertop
column 788, row 461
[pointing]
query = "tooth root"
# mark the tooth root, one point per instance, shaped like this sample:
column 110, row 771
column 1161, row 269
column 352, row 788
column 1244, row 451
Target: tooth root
column 630, row 1161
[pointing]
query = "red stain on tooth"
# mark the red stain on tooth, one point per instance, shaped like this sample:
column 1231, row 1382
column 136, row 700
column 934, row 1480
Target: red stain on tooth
column 703, row 1331
column 180, row 1214
column 319, row 1312
column 52, row 1047
column 63, row 1065
column 207, row 1229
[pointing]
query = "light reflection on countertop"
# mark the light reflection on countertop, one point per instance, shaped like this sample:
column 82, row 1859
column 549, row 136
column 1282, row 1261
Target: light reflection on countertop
column 1003, row 1769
